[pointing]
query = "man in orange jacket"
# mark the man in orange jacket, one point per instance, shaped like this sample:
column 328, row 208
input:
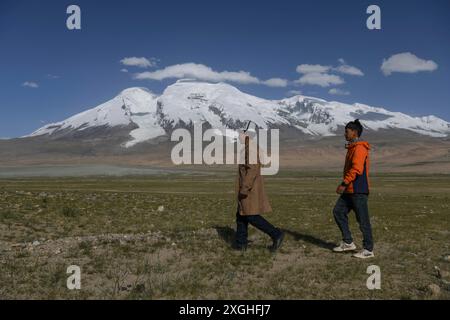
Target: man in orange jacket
column 354, row 191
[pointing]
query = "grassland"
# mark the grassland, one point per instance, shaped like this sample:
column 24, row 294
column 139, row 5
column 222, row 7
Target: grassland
column 169, row 237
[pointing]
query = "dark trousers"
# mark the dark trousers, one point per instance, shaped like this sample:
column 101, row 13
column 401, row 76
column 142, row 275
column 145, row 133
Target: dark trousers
column 358, row 203
column 258, row 222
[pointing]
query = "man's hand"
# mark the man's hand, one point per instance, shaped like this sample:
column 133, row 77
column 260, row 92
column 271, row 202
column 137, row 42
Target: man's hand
column 340, row 189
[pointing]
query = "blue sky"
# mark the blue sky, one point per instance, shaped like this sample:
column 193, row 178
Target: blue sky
column 48, row 73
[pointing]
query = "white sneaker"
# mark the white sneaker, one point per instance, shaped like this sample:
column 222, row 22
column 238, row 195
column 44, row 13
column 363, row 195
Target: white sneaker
column 363, row 254
column 345, row 247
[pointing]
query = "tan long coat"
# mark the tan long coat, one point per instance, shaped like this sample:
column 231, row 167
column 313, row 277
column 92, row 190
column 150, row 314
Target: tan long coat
column 250, row 183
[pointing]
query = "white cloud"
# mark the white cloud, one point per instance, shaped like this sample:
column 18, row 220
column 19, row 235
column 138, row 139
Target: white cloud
column 338, row 92
column 139, row 62
column 124, row 70
column 205, row 73
column 322, row 75
column 197, row 71
column 320, row 79
column 312, row 68
column 407, row 63
column 52, row 76
column 294, row 92
column 347, row 69
column 353, row 71
column 30, row 84
column 276, row 82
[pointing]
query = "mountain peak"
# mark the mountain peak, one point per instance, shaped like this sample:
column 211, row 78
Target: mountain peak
column 222, row 105
column 135, row 91
column 301, row 98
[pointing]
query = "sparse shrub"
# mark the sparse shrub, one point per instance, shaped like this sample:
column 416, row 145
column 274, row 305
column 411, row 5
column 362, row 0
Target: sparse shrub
column 70, row 211
column 7, row 215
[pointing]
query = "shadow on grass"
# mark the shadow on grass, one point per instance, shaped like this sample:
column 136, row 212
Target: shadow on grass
column 309, row 238
column 228, row 235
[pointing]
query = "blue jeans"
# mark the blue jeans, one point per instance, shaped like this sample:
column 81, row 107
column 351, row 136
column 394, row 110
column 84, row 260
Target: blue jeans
column 258, row 222
column 358, row 203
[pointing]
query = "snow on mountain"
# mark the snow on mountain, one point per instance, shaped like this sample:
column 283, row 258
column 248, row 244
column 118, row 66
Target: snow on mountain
column 224, row 106
column 132, row 106
column 141, row 105
column 319, row 117
column 217, row 104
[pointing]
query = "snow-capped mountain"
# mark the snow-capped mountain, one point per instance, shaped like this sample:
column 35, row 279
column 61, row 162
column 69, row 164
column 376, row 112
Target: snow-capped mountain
column 224, row 106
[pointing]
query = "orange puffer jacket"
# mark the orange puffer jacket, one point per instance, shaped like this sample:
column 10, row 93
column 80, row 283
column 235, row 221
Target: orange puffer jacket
column 356, row 169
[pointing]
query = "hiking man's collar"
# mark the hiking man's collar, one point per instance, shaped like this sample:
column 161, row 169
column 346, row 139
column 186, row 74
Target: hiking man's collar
column 353, row 141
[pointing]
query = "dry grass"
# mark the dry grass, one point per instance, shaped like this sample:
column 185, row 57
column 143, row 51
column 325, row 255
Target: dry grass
column 128, row 249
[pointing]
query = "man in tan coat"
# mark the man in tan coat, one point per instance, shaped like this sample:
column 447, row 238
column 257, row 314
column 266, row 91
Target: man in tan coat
column 252, row 199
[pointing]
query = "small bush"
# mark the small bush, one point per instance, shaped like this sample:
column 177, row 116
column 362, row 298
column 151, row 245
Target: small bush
column 69, row 211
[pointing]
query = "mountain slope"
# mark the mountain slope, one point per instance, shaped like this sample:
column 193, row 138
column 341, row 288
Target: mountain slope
column 319, row 117
column 223, row 106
